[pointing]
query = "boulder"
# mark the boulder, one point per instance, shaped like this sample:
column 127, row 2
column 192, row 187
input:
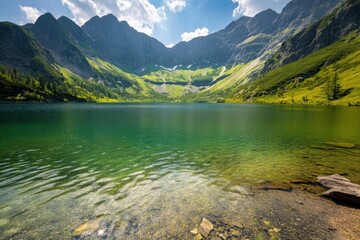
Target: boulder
column 341, row 189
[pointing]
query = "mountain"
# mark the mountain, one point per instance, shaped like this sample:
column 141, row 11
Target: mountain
column 297, row 56
column 123, row 46
column 298, row 14
column 248, row 38
column 318, row 60
column 19, row 49
column 224, row 47
column 44, row 62
column 50, row 33
column 80, row 36
column 335, row 26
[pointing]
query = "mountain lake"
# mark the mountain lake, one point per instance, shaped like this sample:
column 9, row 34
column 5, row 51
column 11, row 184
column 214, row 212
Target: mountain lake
column 153, row 171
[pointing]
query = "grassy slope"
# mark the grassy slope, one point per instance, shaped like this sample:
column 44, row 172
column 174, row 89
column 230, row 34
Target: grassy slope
column 109, row 85
column 129, row 86
column 282, row 85
column 183, row 76
column 179, row 83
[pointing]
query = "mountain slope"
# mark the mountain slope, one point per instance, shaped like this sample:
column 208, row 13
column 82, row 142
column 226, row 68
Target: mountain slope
column 248, row 38
column 49, row 32
column 335, row 26
column 123, row 46
column 81, row 37
column 313, row 79
column 19, row 49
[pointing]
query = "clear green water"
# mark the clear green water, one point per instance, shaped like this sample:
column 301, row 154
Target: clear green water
column 152, row 170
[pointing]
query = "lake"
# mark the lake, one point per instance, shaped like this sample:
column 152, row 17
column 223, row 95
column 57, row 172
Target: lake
column 152, row 171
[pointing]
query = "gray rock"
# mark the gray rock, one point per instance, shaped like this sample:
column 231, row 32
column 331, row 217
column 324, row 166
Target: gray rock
column 340, row 189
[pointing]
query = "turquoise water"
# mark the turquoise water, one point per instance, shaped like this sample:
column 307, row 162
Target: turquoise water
column 151, row 170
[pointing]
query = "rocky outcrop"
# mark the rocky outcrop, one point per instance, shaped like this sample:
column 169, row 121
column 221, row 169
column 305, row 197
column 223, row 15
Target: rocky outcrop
column 341, row 189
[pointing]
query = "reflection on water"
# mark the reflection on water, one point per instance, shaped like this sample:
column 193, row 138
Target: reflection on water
column 152, row 171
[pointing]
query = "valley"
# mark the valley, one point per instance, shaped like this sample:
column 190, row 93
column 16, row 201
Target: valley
column 294, row 60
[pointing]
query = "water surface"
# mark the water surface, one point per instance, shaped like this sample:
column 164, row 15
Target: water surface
column 153, row 170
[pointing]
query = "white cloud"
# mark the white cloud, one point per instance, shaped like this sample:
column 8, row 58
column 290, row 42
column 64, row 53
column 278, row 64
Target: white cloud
column 31, row 13
column 175, row 5
column 200, row 32
column 140, row 14
column 252, row 7
column 244, row 8
column 170, row 45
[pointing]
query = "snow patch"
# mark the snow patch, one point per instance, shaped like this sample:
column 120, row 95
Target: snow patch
column 169, row 69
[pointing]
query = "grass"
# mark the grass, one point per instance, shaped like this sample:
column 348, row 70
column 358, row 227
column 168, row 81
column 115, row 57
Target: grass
column 304, row 81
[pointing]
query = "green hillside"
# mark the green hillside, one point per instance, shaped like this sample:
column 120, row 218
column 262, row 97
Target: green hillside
column 110, row 85
column 328, row 76
column 179, row 83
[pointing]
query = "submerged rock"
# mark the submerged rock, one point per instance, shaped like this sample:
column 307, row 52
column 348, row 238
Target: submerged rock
column 241, row 190
column 195, row 231
column 205, row 227
column 268, row 185
column 341, row 144
column 198, row 237
column 3, row 222
column 341, row 189
column 238, row 225
column 86, row 229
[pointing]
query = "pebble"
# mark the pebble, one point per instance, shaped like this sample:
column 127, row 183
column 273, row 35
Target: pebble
column 198, row 237
column 195, row 231
column 235, row 233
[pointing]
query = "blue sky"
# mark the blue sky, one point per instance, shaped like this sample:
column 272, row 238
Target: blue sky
column 170, row 21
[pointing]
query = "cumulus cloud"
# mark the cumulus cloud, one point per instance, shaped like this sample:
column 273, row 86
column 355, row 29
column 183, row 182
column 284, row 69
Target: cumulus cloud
column 140, row 14
column 175, row 5
column 252, row 7
column 31, row 13
column 170, row 45
column 200, row 32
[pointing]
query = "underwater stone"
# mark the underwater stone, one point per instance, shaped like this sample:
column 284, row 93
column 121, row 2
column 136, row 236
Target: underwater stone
column 85, row 229
column 195, row 231
column 205, row 227
column 341, row 144
column 198, row 237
